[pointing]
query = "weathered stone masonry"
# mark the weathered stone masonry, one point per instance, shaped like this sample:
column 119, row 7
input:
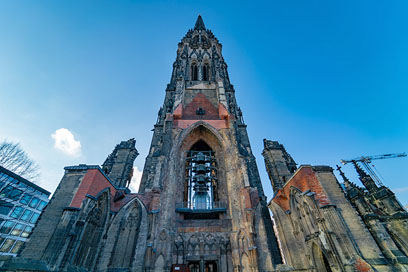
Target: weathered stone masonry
column 201, row 204
column 318, row 225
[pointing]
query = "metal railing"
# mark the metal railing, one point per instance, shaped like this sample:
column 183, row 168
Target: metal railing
column 207, row 206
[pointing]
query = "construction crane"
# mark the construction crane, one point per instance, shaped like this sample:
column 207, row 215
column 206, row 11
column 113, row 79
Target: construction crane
column 373, row 172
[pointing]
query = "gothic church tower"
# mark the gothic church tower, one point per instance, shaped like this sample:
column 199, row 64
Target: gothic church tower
column 211, row 209
column 201, row 206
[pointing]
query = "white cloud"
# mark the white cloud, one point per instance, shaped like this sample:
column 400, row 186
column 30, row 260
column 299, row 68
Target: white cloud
column 65, row 141
column 136, row 179
column 400, row 190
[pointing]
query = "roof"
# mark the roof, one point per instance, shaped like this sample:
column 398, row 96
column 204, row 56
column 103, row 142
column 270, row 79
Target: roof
column 23, row 180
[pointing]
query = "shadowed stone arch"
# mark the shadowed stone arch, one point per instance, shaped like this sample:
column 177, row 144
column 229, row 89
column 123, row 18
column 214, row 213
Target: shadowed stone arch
column 294, row 208
column 179, row 248
column 304, row 206
column 126, row 237
column 200, row 131
column 209, row 136
column 94, row 227
column 193, row 246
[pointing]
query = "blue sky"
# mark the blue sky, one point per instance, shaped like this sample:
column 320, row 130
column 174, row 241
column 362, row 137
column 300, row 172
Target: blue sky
column 328, row 79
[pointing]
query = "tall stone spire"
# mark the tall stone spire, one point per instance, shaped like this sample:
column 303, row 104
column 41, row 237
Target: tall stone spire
column 200, row 165
column 199, row 25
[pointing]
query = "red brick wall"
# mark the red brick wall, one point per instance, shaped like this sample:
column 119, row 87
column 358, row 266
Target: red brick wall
column 305, row 179
column 200, row 101
column 93, row 182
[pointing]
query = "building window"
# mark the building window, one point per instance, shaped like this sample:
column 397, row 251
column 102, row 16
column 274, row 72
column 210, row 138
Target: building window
column 200, row 111
column 34, row 218
column 200, row 189
column 5, row 207
column 7, row 245
column 17, row 247
column 194, row 72
column 17, row 212
column 34, row 202
column 17, row 230
column 26, row 215
column 26, row 199
column 26, row 232
column 206, row 72
column 7, row 226
column 2, row 179
column 42, row 205
column 11, row 193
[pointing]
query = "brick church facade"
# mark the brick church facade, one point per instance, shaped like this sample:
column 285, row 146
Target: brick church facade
column 201, row 206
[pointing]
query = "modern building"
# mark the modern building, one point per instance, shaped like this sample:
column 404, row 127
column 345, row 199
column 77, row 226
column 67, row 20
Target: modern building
column 21, row 204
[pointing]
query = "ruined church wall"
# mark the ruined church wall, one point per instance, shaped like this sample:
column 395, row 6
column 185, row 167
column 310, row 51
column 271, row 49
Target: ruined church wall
column 51, row 216
column 363, row 241
column 133, row 243
column 294, row 252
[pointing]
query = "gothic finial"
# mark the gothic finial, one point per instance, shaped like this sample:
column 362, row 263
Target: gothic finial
column 366, row 179
column 360, row 172
column 199, row 25
column 345, row 179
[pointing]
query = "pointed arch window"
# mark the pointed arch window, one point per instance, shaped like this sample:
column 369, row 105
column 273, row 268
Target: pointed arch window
column 194, row 72
column 206, row 72
column 201, row 177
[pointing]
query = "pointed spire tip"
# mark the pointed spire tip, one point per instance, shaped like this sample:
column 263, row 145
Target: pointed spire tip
column 199, row 25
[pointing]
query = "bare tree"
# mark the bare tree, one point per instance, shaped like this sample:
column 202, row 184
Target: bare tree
column 15, row 159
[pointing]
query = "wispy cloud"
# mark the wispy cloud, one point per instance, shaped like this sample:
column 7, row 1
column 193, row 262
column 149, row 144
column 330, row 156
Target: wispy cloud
column 400, row 190
column 136, row 179
column 65, row 141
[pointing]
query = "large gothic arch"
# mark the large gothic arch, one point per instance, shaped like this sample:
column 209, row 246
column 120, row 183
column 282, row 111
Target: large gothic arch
column 200, row 130
column 94, row 217
column 126, row 237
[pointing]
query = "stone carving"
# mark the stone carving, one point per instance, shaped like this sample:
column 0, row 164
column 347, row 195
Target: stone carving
column 179, row 241
column 163, row 235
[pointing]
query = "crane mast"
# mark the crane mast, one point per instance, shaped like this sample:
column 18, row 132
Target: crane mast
column 372, row 171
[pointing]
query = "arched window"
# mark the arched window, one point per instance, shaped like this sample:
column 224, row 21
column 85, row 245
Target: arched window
column 194, row 72
column 206, row 72
column 201, row 177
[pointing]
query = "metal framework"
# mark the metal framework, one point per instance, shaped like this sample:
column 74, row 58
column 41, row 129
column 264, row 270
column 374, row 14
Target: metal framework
column 201, row 172
column 372, row 171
